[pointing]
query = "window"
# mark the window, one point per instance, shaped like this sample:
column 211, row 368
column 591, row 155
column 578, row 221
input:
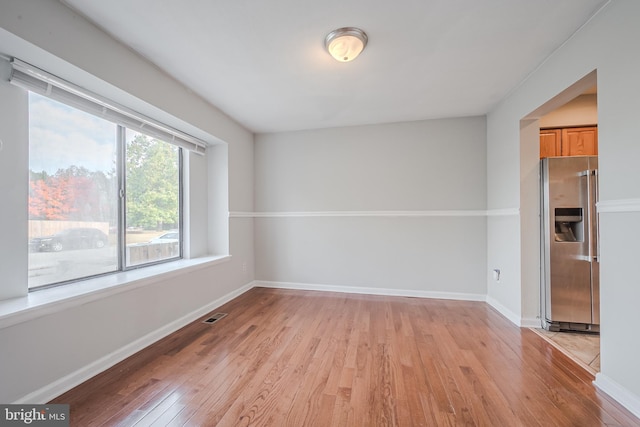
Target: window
column 75, row 203
column 152, row 176
column 105, row 183
column 73, row 193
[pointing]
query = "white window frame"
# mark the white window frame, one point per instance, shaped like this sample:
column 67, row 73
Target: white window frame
column 39, row 81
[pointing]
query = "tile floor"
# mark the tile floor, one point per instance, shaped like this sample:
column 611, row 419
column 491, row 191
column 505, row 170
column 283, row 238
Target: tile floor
column 581, row 347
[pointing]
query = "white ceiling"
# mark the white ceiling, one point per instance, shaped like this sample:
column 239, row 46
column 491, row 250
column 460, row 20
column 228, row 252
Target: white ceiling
column 264, row 64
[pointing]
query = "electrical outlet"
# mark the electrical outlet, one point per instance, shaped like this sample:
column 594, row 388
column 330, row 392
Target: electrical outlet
column 496, row 274
column 244, row 267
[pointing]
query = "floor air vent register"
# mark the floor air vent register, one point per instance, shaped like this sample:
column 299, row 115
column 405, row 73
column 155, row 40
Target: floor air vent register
column 214, row 318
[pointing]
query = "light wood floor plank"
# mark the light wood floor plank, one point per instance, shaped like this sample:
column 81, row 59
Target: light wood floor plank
column 299, row 358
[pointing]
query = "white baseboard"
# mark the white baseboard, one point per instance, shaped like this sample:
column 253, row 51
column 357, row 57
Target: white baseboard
column 514, row 318
column 67, row 382
column 530, row 322
column 619, row 393
column 372, row 291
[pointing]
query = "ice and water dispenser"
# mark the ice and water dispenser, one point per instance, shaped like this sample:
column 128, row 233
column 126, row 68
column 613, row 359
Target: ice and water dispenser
column 569, row 225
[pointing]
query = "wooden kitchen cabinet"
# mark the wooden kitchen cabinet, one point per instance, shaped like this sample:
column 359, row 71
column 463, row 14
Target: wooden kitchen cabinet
column 579, row 141
column 550, row 145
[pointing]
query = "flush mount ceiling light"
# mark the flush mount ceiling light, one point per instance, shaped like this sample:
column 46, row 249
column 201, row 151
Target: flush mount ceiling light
column 345, row 44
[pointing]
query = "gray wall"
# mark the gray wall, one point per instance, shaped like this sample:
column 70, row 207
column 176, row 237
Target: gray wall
column 608, row 44
column 46, row 350
column 394, row 207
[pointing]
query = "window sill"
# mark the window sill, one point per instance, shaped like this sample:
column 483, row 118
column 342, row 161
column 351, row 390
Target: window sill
column 47, row 301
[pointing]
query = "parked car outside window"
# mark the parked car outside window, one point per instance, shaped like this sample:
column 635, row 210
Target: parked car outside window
column 169, row 237
column 71, row 238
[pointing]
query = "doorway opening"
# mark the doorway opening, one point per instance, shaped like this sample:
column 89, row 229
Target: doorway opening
column 571, row 114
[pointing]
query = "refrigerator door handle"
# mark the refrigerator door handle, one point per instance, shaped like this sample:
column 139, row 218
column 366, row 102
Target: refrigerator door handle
column 596, row 215
column 592, row 230
column 585, row 189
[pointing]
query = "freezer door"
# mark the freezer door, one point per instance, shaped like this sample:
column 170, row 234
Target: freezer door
column 567, row 232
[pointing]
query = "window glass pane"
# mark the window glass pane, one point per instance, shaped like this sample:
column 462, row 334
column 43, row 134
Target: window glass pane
column 72, row 193
column 152, row 173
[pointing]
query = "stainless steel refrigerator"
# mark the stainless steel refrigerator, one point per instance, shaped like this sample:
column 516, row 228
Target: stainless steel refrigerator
column 571, row 286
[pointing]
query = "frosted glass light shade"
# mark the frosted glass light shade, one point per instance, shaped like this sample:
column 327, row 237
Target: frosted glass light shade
column 345, row 44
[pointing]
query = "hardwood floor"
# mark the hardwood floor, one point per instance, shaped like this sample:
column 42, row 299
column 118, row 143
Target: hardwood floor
column 299, row 358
